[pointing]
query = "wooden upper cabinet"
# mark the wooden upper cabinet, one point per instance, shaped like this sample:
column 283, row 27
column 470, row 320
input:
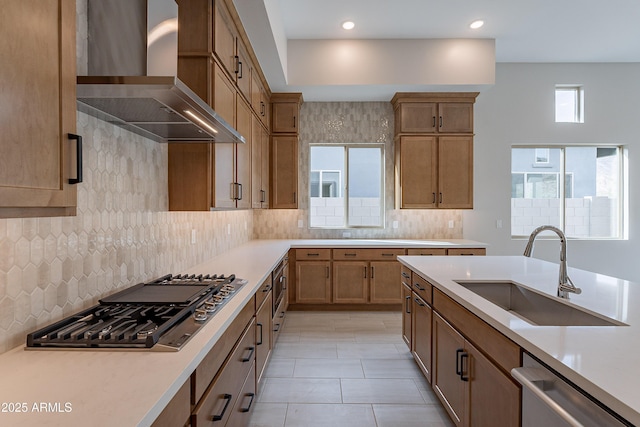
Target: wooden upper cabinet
column 418, row 175
column 417, row 117
column 244, row 70
column 284, row 172
column 243, row 154
column 455, row 117
column 285, row 117
column 224, row 37
column 190, row 176
column 455, row 172
column 38, row 109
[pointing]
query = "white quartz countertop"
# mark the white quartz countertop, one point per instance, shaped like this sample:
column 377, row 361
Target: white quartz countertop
column 385, row 243
column 131, row 387
column 602, row 360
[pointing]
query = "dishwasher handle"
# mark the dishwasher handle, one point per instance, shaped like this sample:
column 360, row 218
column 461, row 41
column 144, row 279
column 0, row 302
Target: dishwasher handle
column 529, row 378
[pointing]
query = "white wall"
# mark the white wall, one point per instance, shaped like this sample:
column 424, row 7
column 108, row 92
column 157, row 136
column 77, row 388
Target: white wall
column 520, row 109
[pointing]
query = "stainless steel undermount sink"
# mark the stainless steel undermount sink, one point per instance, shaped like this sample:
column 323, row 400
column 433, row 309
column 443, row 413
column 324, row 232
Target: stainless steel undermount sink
column 536, row 308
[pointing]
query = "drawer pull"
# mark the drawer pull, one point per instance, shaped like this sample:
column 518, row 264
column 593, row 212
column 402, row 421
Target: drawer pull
column 248, row 408
column 406, row 305
column 388, row 254
column 417, row 285
column 463, row 357
column 276, row 327
column 266, row 289
column 250, row 356
column 405, row 275
column 261, row 327
column 349, row 254
column 226, row 397
column 417, row 300
column 282, row 314
column 313, row 254
column 458, row 369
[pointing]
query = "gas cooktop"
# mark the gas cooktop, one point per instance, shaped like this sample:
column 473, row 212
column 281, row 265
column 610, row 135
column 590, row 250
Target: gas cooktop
column 161, row 315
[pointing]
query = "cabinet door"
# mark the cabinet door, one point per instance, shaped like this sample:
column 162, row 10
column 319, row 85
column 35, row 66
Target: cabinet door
column 225, row 106
column 493, row 399
column 244, row 69
column 406, row 313
column 421, row 334
column 455, row 172
column 455, row 117
column 190, row 176
column 224, row 38
column 417, row 117
column 384, row 286
column 284, row 172
column 264, row 327
column 243, row 155
column 350, row 282
column 450, row 389
column 256, row 163
column 285, row 117
column 265, row 170
column 418, row 172
column 38, row 107
column 242, row 410
column 467, row 251
column 313, row 282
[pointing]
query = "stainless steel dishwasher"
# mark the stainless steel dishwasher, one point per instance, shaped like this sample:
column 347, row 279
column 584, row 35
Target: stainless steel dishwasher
column 549, row 401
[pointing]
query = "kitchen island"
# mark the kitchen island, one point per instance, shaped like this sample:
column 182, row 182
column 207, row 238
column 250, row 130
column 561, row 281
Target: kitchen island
column 130, row 387
column 598, row 359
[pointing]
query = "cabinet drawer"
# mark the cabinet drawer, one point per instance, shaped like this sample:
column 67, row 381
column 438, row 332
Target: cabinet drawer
column 208, row 368
column 405, row 276
column 278, row 320
column 367, row 254
column 246, row 399
column 504, row 352
column 312, row 254
column 427, row 251
column 467, row 251
column 263, row 291
column 218, row 402
column 421, row 287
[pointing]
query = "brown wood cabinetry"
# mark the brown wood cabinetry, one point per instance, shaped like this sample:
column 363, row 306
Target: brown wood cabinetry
column 471, row 365
column 313, row 282
column 38, row 109
column 427, row 251
column 284, row 150
column 350, row 282
column 434, row 150
column 264, row 329
column 406, row 313
column 178, row 410
column 215, row 59
column 421, row 318
column 467, row 251
column 284, row 172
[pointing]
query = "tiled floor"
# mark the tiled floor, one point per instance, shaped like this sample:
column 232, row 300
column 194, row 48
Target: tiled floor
column 345, row 369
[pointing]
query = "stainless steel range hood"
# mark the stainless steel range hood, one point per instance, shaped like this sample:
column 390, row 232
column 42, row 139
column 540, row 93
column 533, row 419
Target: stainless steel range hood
column 132, row 83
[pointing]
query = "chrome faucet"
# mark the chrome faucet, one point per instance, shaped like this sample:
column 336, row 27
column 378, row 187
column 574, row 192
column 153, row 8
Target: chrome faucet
column 565, row 285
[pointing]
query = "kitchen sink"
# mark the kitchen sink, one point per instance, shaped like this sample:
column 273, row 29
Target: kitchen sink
column 536, row 308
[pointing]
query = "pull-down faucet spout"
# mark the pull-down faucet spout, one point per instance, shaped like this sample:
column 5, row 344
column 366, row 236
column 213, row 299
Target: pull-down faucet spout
column 565, row 285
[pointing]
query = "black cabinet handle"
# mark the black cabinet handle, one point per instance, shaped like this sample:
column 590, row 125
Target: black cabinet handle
column 405, row 275
column 406, row 305
column 434, row 198
column 458, row 369
column 295, row 197
column 434, row 121
column 283, row 280
column 282, row 314
column 365, row 272
column 260, row 325
column 417, row 300
column 388, row 254
column 294, row 122
column 417, row 285
column 240, row 69
column 237, row 59
column 226, row 397
column 251, row 351
column 78, row 178
column 313, row 254
column 463, row 357
column 372, row 272
column 327, row 272
column 440, row 198
column 248, row 408
column 349, row 254
column 440, row 121
column 276, row 327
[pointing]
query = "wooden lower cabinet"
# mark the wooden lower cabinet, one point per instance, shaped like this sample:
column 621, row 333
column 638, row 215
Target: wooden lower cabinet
column 350, row 282
column 264, row 328
column 241, row 413
column 473, row 390
column 421, row 319
column 467, row 251
column 313, row 282
column 406, row 316
column 178, row 410
column 216, row 408
column 384, row 287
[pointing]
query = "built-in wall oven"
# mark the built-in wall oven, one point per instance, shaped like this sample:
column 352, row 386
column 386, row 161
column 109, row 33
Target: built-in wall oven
column 550, row 401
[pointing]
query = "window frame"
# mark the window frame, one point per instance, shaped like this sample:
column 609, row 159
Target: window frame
column 578, row 95
column 345, row 185
column 622, row 208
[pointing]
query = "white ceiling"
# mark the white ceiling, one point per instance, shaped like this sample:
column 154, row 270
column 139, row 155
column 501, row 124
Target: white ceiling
column 524, row 31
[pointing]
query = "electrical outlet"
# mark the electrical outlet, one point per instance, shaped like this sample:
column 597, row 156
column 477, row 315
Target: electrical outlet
column 450, row 223
column 193, row 236
column 229, row 229
column 300, row 223
column 498, row 223
column 394, row 224
column 346, row 234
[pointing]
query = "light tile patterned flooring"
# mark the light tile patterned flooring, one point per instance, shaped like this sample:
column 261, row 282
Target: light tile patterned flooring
column 345, row 369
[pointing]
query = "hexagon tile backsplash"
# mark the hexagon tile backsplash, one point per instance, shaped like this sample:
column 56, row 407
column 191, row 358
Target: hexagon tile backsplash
column 122, row 235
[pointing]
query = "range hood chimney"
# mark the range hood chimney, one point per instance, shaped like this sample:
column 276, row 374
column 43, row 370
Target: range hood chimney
column 132, row 81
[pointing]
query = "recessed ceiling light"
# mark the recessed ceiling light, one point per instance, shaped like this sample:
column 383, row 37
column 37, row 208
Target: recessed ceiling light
column 476, row 24
column 348, row 25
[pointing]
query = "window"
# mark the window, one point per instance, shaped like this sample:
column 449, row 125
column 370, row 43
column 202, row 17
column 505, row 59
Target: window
column 542, row 156
column 569, row 104
column 346, row 186
column 579, row 192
